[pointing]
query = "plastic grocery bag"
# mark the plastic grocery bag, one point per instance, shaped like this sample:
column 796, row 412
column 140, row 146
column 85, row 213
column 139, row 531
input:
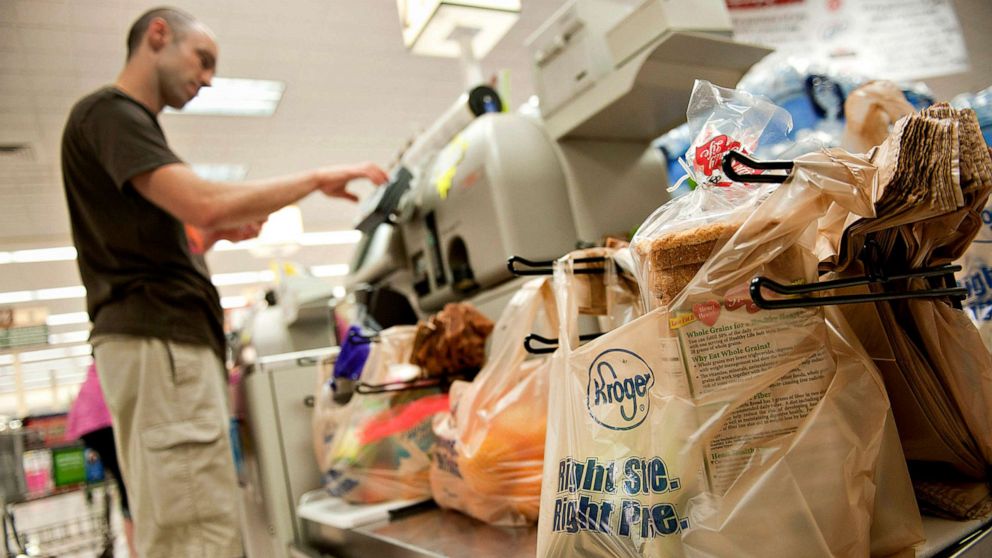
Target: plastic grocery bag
column 870, row 111
column 327, row 414
column 710, row 427
column 976, row 275
column 490, row 449
column 382, row 447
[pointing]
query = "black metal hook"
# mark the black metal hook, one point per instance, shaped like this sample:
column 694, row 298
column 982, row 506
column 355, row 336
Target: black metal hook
column 759, row 283
column 733, row 155
column 552, row 344
column 544, row 267
column 441, row 381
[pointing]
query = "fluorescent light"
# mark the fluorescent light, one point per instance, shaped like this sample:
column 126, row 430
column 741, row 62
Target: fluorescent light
column 335, row 270
column 328, row 238
column 233, row 302
column 236, row 97
column 15, row 296
column 58, row 254
column 322, row 238
column 77, row 291
column 433, row 27
column 67, row 319
column 70, row 337
column 60, row 293
column 68, row 253
column 220, row 172
column 415, row 15
column 242, row 278
column 54, row 354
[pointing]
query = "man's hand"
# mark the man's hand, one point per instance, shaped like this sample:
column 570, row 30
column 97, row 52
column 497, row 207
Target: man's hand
column 237, row 234
column 333, row 181
column 202, row 240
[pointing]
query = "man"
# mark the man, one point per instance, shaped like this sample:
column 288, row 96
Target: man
column 157, row 321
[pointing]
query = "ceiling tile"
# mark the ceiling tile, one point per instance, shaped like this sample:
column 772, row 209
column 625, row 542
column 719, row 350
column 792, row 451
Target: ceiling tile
column 101, row 43
column 9, row 37
column 97, row 15
column 40, row 39
column 43, row 13
column 54, row 83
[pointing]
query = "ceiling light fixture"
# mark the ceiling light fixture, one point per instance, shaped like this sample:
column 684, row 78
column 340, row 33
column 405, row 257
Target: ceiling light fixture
column 71, row 318
column 68, row 253
column 220, row 172
column 435, row 27
column 242, row 278
column 233, row 302
column 235, row 97
column 334, row 270
column 68, row 337
column 58, row 254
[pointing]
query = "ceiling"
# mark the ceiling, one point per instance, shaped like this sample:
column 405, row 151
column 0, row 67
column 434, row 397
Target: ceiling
column 353, row 93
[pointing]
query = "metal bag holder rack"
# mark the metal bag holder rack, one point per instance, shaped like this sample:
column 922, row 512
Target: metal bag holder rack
column 441, row 381
column 873, row 275
column 545, row 267
column 797, row 293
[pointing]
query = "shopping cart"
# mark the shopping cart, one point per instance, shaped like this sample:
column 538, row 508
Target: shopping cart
column 86, row 535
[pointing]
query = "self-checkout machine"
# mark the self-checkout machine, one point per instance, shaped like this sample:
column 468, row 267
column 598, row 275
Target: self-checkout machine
column 608, row 87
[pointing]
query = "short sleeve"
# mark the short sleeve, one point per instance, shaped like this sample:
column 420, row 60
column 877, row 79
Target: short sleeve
column 126, row 140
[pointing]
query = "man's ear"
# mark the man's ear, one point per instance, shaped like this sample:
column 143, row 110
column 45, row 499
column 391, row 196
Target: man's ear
column 159, row 34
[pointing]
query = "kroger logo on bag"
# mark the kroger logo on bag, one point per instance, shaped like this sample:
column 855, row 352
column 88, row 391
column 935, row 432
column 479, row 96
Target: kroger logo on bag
column 617, row 392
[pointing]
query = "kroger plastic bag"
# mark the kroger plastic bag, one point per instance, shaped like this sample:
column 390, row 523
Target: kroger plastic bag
column 382, row 447
column 490, row 449
column 710, row 427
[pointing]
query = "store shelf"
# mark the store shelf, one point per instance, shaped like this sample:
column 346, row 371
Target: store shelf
column 647, row 95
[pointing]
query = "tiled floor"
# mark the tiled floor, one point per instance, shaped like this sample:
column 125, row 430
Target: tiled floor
column 71, row 525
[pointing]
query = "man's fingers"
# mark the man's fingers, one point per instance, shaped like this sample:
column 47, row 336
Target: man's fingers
column 376, row 174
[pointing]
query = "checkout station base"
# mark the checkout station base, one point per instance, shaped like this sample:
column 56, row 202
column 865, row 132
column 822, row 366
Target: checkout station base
column 413, row 530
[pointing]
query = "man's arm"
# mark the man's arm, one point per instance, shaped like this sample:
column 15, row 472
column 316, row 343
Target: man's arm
column 212, row 205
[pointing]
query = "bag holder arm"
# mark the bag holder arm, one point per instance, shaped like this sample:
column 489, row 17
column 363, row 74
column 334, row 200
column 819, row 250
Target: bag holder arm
column 551, row 344
column 730, row 172
column 544, row 267
column 442, row 381
column 873, row 275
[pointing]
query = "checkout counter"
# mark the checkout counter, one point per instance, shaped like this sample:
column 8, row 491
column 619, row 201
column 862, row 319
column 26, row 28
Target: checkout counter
column 435, row 533
column 612, row 75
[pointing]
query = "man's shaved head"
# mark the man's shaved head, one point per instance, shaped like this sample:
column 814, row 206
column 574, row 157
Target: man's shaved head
column 178, row 20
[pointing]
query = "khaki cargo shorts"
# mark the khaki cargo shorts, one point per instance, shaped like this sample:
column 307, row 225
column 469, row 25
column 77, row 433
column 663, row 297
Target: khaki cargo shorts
column 169, row 409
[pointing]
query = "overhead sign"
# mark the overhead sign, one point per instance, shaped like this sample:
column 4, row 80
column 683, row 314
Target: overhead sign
column 888, row 39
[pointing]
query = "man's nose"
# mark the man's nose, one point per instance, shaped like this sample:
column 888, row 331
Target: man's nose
column 206, row 78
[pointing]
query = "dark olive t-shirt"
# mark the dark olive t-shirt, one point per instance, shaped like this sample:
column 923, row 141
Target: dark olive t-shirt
column 134, row 258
